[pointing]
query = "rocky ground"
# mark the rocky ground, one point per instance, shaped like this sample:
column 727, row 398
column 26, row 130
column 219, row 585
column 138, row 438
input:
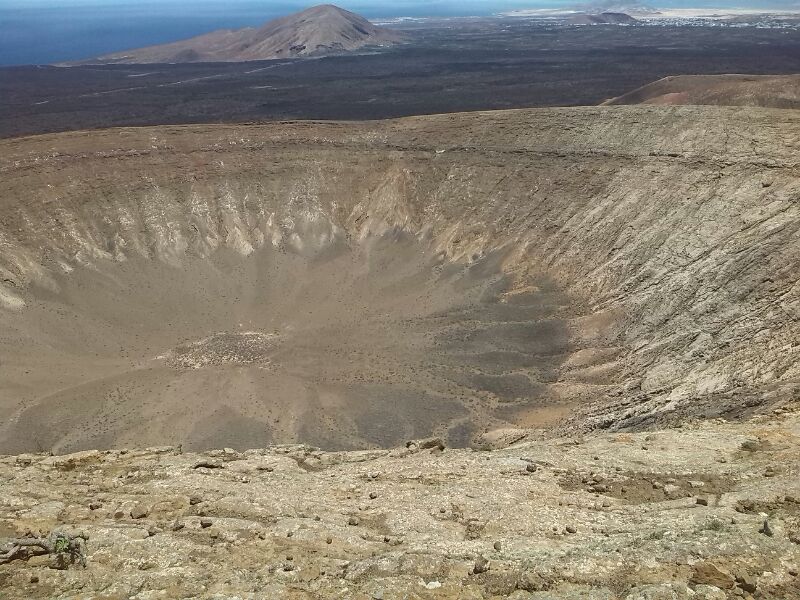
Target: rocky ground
column 709, row 510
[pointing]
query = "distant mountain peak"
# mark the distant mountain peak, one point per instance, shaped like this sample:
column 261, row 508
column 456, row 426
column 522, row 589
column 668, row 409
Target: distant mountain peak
column 317, row 31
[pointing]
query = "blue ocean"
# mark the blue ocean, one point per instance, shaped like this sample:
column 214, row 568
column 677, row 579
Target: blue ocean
column 47, row 31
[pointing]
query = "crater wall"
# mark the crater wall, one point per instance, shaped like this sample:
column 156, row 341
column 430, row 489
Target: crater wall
column 352, row 285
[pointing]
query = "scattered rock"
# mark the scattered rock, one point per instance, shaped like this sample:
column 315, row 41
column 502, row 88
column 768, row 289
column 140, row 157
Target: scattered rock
column 499, row 438
column 205, row 523
column 69, row 462
column 757, row 445
column 42, row 560
column 209, row 464
column 766, row 529
column 481, row 565
column 704, row 592
column 137, row 533
column 354, row 521
column 498, row 546
column 747, row 583
column 311, row 463
column 707, row 573
column 474, row 529
column 571, row 529
column 701, row 501
column 426, row 444
column 140, row 511
column 530, row 581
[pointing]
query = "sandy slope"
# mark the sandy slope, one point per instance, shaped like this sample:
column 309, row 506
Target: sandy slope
column 770, row 91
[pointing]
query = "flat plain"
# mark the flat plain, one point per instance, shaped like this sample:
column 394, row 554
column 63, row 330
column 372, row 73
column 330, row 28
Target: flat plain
column 449, row 66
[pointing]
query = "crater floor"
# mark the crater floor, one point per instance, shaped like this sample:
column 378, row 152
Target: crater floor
column 345, row 349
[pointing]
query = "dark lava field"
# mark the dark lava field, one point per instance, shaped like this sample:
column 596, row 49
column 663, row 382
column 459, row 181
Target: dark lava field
column 449, row 66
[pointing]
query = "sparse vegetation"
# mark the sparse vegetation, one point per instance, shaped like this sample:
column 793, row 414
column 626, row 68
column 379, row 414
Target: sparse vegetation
column 66, row 548
column 712, row 525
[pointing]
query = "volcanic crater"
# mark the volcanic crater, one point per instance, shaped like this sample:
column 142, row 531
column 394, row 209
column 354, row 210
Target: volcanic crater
column 357, row 285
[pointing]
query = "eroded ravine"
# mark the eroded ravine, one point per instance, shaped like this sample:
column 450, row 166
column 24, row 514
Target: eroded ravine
column 358, row 285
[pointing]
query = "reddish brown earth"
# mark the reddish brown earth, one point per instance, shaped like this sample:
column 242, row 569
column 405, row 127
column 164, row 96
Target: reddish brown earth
column 770, row 91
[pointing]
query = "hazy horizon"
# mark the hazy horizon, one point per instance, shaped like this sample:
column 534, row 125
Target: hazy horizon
column 46, row 31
